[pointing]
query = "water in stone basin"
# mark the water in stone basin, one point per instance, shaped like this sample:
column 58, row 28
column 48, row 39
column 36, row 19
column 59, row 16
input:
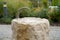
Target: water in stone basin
column 31, row 20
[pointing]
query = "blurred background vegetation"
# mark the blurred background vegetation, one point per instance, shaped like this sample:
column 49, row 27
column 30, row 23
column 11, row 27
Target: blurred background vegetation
column 49, row 9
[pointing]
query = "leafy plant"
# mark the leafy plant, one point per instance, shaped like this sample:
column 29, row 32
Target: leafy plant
column 1, row 8
column 55, row 15
column 5, row 20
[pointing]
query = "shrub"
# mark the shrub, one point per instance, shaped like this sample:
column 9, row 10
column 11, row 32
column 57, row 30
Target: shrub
column 24, row 13
column 5, row 20
column 42, row 13
column 55, row 15
column 1, row 8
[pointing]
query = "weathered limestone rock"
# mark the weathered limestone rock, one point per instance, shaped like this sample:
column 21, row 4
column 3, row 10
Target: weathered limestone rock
column 30, row 29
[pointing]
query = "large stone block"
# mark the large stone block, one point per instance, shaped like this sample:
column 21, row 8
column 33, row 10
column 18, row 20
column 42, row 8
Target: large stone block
column 30, row 28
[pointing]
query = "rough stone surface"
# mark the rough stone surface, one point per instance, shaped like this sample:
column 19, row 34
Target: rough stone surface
column 30, row 29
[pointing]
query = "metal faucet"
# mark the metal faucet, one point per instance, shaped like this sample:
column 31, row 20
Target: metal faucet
column 19, row 10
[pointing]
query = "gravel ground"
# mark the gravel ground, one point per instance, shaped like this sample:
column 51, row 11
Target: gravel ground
column 54, row 33
column 6, row 32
